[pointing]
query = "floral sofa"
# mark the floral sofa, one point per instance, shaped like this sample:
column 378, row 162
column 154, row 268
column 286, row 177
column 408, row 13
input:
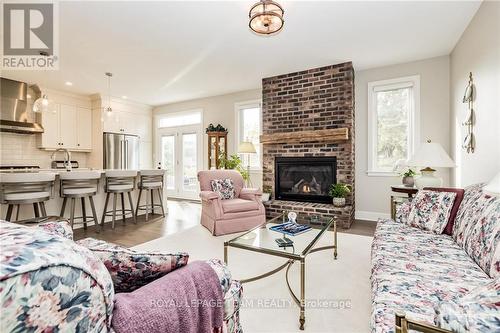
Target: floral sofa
column 448, row 281
column 49, row 283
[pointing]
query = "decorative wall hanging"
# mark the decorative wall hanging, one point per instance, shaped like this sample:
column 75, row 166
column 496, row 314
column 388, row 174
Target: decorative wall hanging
column 469, row 143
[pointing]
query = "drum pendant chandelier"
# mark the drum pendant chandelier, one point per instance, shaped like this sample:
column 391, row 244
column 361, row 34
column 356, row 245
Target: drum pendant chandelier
column 266, row 17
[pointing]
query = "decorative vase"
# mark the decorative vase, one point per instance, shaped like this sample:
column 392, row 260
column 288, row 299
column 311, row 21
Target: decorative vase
column 339, row 202
column 428, row 179
column 266, row 196
column 408, row 181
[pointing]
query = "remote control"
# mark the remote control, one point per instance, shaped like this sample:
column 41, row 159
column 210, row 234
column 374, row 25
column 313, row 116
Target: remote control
column 284, row 243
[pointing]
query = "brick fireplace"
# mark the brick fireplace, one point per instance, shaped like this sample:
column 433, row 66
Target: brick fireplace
column 310, row 114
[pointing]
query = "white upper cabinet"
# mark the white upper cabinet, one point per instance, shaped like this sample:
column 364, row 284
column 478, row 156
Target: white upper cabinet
column 127, row 123
column 84, row 131
column 111, row 121
column 50, row 123
column 67, row 126
column 144, row 128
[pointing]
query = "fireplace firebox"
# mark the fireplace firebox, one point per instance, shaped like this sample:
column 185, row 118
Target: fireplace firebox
column 305, row 179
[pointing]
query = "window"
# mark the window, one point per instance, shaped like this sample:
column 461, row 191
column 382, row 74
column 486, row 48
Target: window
column 393, row 117
column 248, row 117
column 179, row 119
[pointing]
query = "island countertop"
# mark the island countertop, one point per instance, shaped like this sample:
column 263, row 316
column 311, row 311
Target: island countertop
column 54, row 204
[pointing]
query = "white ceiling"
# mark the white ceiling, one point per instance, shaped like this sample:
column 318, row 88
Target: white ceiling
column 162, row 52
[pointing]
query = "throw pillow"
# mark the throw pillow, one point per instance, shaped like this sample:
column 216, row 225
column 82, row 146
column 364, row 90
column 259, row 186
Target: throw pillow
column 477, row 311
column 130, row 269
column 58, row 228
column 477, row 229
column 223, row 187
column 431, row 210
column 458, row 200
column 402, row 212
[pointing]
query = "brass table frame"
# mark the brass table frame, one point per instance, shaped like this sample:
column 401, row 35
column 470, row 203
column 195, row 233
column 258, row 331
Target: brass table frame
column 292, row 258
column 404, row 325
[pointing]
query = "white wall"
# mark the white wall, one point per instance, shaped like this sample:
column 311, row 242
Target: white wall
column 373, row 193
column 478, row 51
column 22, row 149
column 216, row 110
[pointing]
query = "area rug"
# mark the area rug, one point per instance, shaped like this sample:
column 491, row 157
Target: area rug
column 337, row 291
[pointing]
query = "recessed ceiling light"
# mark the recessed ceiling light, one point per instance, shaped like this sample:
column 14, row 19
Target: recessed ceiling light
column 124, row 97
column 68, row 83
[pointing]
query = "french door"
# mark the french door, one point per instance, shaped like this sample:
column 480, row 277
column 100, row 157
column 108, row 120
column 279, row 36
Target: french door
column 179, row 153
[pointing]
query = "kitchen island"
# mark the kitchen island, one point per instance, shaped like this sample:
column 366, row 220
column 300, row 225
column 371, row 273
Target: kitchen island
column 53, row 206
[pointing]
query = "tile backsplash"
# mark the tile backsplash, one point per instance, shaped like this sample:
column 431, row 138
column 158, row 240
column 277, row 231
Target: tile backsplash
column 21, row 149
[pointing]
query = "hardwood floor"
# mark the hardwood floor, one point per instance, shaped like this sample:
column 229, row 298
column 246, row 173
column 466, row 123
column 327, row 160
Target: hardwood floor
column 181, row 215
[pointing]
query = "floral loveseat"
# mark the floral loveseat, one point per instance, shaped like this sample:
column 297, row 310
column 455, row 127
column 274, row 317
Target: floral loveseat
column 49, row 283
column 450, row 281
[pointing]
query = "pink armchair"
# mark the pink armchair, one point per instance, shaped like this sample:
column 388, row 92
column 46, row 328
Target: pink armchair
column 222, row 217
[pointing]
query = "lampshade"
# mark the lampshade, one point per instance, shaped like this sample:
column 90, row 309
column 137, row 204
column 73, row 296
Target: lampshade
column 493, row 187
column 246, row 147
column 431, row 154
column 266, row 17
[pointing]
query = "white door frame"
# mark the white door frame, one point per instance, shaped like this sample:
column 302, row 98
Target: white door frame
column 178, row 191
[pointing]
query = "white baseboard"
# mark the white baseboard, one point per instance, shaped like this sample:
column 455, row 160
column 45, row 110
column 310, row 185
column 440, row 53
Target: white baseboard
column 370, row 216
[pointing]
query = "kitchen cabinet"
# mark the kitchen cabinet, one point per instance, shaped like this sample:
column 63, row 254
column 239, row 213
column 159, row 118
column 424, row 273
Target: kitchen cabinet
column 127, row 123
column 111, row 122
column 50, row 123
column 67, row 126
column 84, row 129
column 145, row 160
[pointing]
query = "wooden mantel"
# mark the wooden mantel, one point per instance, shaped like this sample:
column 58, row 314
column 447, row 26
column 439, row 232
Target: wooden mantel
column 329, row 135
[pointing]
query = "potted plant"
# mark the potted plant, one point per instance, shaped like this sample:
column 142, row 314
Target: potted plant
column 234, row 163
column 409, row 178
column 339, row 192
column 266, row 193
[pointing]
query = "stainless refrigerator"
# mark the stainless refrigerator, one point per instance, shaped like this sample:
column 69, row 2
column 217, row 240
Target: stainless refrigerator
column 121, row 151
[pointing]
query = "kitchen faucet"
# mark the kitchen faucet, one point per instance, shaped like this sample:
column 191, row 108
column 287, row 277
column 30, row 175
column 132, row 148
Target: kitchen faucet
column 67, row 158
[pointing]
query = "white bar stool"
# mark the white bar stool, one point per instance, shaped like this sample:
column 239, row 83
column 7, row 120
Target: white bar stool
column 26, row 188
column 79, row 185
column 150, row 180
column 119, row 182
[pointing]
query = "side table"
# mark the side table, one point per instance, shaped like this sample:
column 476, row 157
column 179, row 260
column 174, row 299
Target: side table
column 409, row 191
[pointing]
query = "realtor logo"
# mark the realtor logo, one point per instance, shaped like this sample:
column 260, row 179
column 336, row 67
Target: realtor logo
column 30, row 36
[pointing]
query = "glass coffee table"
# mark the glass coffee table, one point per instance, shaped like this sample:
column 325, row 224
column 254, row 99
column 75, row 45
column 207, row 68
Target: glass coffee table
column 262, row 240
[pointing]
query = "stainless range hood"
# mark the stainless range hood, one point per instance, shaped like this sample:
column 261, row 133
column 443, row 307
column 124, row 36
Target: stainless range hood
column 15, row 116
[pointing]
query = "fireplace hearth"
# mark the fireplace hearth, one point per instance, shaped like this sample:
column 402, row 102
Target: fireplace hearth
column 308, row 115
column 306, row 179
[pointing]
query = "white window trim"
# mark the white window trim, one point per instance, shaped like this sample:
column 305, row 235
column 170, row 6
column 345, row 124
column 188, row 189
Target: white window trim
column 161, row 115
column 414, row 126
column 157, row 129
column 247, row 105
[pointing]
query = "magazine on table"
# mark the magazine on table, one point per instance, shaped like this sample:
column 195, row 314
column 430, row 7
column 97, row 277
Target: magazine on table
column 291, row 228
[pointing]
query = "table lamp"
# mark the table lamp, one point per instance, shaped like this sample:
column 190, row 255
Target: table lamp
column 493, row 187
column 431, row 155
column 247, row 147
